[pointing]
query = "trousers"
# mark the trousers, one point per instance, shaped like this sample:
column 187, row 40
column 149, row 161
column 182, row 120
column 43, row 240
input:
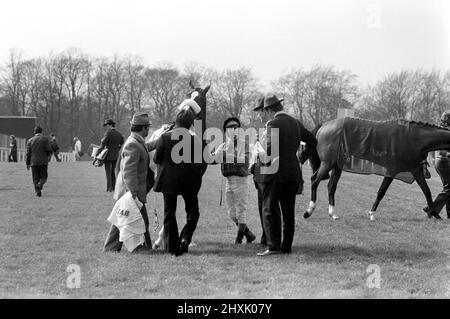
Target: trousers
column 110, row 175
column 40, row 174
column 172, row 239
column 236, row 195
column 259, row 189
column 278, row 203
column 443, row 198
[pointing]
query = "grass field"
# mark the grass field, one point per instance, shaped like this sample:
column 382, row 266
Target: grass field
column 41, row 237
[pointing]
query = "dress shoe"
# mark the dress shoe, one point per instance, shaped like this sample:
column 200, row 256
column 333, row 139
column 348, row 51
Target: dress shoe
column 249, row 236
column 427, row 211
column 431, row 214
column 38, row 191
column 141, row 248
column 269, row 252
column 184, row 246
column 239, row 237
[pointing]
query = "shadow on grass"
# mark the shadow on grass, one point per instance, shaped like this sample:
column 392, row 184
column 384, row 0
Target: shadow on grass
column 349, row 251
column 320, row 252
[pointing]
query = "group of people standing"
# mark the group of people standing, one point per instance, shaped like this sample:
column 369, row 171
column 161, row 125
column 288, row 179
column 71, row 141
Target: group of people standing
column 276, row 190
column 127, row 168
column 172, row 178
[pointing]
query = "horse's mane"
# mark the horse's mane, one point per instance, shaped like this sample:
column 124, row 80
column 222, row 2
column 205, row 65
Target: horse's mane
column 404, row 122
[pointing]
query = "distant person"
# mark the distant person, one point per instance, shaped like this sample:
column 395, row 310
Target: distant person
column 78, row 152
column 55, row 147
column 234, row 155
column 12, row 157
column 112, row 140
column 38, row 152
column 132, row 177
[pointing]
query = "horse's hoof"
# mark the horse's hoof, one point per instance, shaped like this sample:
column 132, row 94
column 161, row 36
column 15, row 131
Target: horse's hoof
column 335, row 217
column 371, row 216
column 306, row 215
column 437, row 216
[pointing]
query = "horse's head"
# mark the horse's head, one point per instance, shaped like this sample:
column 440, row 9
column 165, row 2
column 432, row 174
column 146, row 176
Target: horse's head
column 199, row 96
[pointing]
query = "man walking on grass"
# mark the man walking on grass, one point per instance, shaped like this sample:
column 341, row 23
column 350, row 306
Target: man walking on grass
column 112, row 140
column 133, row 177
column 38, row 153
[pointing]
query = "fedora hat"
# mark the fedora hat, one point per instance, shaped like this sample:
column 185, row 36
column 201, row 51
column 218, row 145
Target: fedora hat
column 271, row 100
column 140, row 118
column 259, row 103
column 109, row 122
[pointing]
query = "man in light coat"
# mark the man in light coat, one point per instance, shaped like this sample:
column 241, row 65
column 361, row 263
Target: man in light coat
column 132, row 176
column 77, row 149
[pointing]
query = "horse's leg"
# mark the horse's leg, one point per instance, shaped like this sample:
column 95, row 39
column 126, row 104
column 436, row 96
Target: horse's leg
column 381, row 192
column 332, row 184
column 420, row 179
column 319, row 175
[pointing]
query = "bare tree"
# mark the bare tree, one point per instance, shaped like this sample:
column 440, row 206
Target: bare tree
column 316, row 95
column 75, row 69
column 12, row 78
column 135, row 83
column 165, row 89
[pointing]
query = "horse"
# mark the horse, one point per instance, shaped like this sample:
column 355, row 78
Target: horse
column 397, row 145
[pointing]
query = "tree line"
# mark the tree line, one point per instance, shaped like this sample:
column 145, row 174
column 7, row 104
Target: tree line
column 72, row 93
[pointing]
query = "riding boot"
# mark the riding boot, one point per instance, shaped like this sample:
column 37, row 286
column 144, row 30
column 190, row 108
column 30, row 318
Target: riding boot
column 249, row 236
column 240, row 233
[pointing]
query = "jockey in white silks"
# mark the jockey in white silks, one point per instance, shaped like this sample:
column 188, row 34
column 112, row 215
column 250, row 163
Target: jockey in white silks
column 186, row 104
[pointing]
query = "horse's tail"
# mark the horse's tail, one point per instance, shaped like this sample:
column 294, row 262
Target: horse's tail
column 313, row 156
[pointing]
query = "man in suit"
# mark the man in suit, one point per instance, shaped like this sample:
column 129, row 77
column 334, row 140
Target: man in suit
column 38, row 152
column 134, row 166
column 280, row 174
column 112, row 140
column 178, row 174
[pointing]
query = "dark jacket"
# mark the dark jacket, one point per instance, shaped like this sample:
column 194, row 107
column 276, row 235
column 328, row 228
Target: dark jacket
column 13, row 145
column 113, row 140
column 236, row 168
column 54, row 146
column 38, row 150
column 291, row 133
column 177, row 178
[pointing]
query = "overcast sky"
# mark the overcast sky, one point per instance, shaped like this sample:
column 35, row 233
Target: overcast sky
column 370, row 38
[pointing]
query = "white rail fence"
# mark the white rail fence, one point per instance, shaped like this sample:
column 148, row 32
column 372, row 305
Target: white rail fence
column 4, row 152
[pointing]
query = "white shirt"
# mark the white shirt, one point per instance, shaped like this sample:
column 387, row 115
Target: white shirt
column 78, row 146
